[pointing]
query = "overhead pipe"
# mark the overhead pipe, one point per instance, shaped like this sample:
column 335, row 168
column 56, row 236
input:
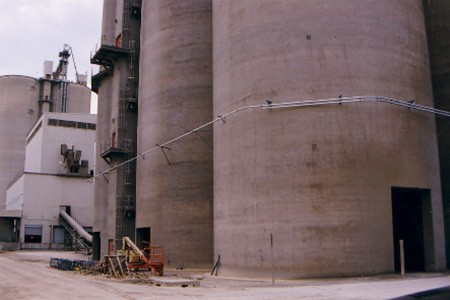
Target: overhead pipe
column 80, row 230
column 292, row 104
column 342, row 100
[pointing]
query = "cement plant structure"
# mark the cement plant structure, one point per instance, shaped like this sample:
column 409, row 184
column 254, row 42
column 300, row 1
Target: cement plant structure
column 274, row 185
column 24, row 100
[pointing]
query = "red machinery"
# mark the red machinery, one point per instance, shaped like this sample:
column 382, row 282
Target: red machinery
column 152, row 256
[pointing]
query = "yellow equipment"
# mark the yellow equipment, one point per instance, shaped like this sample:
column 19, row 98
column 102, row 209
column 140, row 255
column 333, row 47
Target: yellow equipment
column 151, row 257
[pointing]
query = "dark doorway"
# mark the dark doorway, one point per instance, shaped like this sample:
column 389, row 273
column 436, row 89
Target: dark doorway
column 111, row 247
column 142, row 235
column 33, row 233
column 65, row 208
column 408, row 222
column 96, row 246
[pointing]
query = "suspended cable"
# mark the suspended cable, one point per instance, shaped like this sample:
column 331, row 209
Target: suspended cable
column 293, row 104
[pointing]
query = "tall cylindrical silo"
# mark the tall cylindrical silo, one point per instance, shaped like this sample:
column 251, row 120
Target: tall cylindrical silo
column 19, row 111
column 174, row 184
column 438, row 28
column 79, row 98
column 323, row 191
column 109, row 21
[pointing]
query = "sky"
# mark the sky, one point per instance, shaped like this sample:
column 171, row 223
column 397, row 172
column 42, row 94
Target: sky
column 32, row 31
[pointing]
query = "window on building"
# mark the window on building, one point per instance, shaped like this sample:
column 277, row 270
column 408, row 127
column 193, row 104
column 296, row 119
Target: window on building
column 33, row 233
column 82, row 125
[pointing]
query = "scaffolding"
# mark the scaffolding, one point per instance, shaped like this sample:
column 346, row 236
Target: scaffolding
column 121, row 144
column 131, row 59
column 126, row 196
column 125, row 213
column 129, row 171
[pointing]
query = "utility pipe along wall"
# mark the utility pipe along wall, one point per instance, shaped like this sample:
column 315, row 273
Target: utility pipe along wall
column 307, row 192
column 77, row 227
column 174, row 186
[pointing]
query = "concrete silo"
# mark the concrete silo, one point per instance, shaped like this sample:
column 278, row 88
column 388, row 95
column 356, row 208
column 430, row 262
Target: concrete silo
column 79, row 98
column 23, row 100
column 19, row 97
column 174, row 186
column 323, row 191
column 438, row 28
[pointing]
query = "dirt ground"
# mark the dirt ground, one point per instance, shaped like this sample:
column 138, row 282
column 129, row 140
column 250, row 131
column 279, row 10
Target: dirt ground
column 27, row 275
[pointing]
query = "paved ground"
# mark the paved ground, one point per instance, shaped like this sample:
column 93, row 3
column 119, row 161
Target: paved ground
column 27, row 275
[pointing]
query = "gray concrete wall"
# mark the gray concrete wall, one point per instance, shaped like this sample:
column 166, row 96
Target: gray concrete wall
column 106, row 187
column 109, row 22
column 319, row 179
column 9, row 246
column 174, row 198
column 438, row 28
column 79, row 99
column 18, row 113
column 101, row 204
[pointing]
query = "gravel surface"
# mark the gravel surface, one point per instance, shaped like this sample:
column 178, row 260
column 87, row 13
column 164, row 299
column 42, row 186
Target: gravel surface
column 27, row 275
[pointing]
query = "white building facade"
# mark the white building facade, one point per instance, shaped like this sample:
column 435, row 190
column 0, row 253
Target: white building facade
column 58, row 163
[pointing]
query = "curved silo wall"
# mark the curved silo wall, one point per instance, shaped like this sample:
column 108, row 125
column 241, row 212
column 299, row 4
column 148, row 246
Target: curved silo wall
column 79, row 98
column 18, row 112
column 109, row 22
column 174, row 195
column 438, row 28
column 307, row 192
column 105, row 194
column 104, row 210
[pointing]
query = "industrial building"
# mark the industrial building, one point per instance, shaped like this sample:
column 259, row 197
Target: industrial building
column 287, row 139
column 26, row 102
column 59, row 151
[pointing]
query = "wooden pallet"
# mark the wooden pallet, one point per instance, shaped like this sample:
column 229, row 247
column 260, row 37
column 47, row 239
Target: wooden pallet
column 117, row 266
